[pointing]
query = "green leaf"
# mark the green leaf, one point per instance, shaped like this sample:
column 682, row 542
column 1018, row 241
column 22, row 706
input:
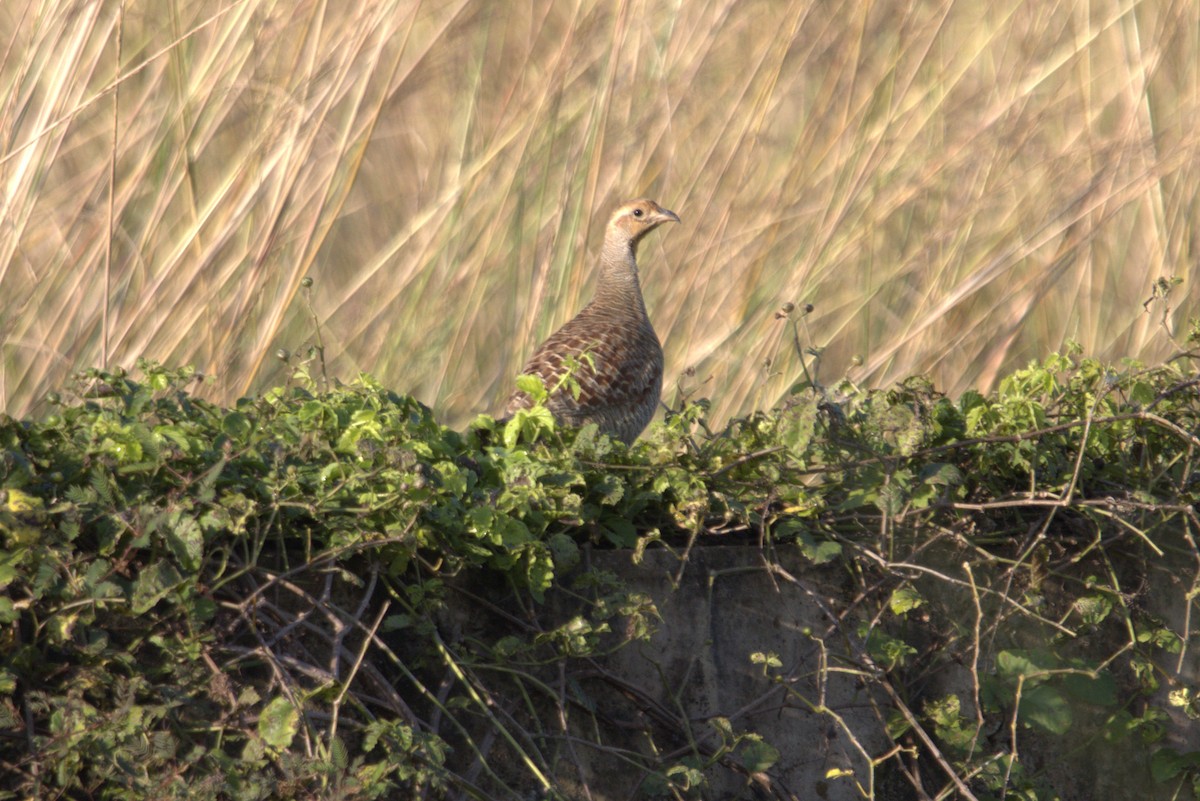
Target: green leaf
column 278, row 723
column 949, row 723
column 769, row 659
column 890, row 499
column 1167, row 763
column 565, row 552
column 480, row 519
column 1045, row 707
column 619, row 531
column 154, row 583
column 185, row 538
column 1142, row 393
column 904, row 599
column 237, row 426
column 758, row 755
column 512, row 532
column 1100, row 690
column 941, row 474
column 798, row 424
column 529, row 424
column 723, row 727
column 9, row 562
column 1094, row 609
column 532, row 386
column 888, row 651
column 820, row 551
column 1023, row 663
column 539, row 572
column 610, row 489
column 1161, row 638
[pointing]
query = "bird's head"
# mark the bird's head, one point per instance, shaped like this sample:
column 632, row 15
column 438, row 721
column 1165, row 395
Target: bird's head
column 635, row 219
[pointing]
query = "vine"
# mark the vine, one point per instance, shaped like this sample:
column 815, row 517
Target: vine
column 328, row 594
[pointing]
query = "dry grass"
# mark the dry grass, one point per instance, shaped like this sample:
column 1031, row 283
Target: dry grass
column 956, row 186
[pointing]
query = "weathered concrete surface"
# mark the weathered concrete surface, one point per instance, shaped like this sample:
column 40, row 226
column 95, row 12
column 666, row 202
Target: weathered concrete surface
column 664, row 700
column 728, row 605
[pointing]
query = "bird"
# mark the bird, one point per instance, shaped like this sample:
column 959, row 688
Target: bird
column 610, row 346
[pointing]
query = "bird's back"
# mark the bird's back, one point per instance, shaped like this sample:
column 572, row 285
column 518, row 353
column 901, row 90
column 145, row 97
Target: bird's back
column 618, row 367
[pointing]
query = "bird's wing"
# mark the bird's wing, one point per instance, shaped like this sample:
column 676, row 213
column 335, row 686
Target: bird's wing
column 614, row 367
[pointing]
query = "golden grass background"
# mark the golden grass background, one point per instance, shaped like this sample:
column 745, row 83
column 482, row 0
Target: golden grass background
column 956, row 186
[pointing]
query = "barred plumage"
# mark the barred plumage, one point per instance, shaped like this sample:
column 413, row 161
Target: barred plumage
column 619, row 389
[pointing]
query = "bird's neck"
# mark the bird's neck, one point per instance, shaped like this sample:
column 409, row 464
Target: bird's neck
column 618, row 287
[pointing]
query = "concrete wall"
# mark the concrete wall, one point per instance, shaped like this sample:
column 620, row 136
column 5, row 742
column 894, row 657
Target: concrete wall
column 824, row 715
column 819, row 708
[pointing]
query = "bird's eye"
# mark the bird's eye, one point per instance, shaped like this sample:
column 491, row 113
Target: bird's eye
column 637, row 212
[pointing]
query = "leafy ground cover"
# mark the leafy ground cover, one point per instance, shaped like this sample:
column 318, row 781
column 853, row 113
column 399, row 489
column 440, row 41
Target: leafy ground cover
column 256, row 601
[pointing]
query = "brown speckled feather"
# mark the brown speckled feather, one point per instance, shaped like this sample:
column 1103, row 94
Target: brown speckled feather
column 619, row 391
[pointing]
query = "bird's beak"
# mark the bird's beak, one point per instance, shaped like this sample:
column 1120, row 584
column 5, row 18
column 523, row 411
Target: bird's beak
column 666, row 215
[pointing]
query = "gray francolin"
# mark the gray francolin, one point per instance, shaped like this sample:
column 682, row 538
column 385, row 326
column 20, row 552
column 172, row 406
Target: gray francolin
column 618, row 361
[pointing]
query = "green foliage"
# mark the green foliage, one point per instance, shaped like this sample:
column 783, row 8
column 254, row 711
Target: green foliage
column 293, row 596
